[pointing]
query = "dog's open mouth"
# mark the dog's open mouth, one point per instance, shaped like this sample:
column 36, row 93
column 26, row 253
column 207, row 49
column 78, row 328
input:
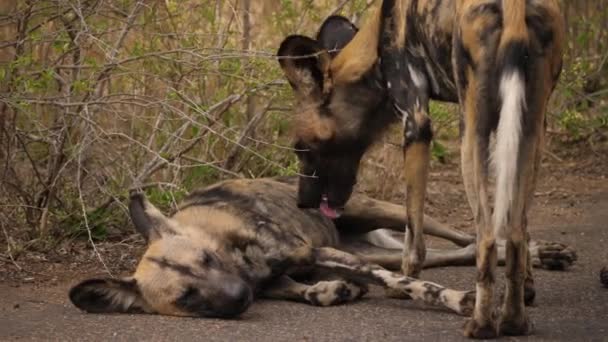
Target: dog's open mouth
column 328, row 211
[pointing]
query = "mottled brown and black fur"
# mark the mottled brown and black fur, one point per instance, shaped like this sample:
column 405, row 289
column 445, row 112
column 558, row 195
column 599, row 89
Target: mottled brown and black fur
column 499, row 59
column 240, row 239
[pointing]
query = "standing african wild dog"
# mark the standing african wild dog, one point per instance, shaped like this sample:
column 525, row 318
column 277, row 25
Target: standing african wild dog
column 500, row 59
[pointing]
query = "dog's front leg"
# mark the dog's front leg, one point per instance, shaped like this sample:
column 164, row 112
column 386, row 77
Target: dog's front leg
column 353, row 268
column 322, row 293
column 364, row 214
column 408, row 89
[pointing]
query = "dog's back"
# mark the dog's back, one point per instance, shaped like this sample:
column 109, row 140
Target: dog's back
column 266, row 209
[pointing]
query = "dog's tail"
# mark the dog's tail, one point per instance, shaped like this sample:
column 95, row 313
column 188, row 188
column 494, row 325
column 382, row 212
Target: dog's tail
column 514, row 20
column 512, row 60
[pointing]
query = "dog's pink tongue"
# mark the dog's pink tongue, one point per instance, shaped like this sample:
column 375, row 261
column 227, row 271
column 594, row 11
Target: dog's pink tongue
column 327, row 210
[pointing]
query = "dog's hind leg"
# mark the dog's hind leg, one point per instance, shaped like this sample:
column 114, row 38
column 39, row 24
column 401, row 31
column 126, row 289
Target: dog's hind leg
column 391, row 258
column 475, row 41
column 353, row 268
column 322, row 293
column 547, row 255
column 364, row 214
column 529, row 60
column 435, row 257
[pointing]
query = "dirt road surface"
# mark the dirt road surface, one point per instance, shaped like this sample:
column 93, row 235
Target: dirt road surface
column 571, row 207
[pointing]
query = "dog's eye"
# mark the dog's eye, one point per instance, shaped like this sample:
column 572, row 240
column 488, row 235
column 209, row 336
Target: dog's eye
column 209, row 260
column 190, row 299
column 204, row 259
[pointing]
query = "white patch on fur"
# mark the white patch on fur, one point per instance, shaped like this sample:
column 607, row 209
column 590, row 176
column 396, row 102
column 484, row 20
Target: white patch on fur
column 382, row 238
column 417, row 77
column 404, row 114
column 506, row 153
column 328, row 293
column 453, row 299
column 390, row 279
column 419, row 289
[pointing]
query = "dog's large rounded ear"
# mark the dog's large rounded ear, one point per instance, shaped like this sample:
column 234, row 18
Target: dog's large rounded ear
column 147, row 219
column 108, row 295
column 306, row 65
column 335, row 33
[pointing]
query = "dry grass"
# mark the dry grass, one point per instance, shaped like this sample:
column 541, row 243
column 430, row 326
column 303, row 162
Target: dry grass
column 97, row 97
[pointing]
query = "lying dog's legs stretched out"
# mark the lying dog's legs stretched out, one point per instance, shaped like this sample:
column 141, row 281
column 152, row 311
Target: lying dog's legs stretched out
column 364, row 214
column 357, row 274
column 354, row 269
column 543, row 254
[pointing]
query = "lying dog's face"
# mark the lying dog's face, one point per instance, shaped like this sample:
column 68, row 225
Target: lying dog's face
column 180, row 274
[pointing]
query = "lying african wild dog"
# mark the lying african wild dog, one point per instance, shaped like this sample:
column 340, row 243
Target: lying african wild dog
column 244, row 238
column 499, row 59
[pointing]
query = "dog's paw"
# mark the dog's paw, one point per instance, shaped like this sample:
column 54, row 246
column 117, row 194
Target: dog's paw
column 334, row 292
column 467, row 303
column 552, row 255
column 474, row 329
column 515, row 326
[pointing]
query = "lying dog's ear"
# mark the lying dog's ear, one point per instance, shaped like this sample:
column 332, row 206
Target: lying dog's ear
column 335, row 33
column 306, row 65
column 108, row 295
column 148, row 220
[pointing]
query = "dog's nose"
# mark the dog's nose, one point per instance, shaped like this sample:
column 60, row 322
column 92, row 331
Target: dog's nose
column 238, row 298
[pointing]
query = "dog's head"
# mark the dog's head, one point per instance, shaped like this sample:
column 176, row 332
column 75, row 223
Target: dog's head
column 335, row 81
column 181, row 273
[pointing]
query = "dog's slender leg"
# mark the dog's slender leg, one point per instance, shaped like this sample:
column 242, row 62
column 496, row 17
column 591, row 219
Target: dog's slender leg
column 417, row 156
column 286, row 288
column 548, row 255
column 474, row 170
column 530, row 185
column 514, row 320
column 529, row 288
column 364, row 214
column 351, row 267
column 473, row 58
column 440, row 230
column 408, row 88
column 434, row 257
column 520, row 284
column 474, row 157
column 322, row 293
